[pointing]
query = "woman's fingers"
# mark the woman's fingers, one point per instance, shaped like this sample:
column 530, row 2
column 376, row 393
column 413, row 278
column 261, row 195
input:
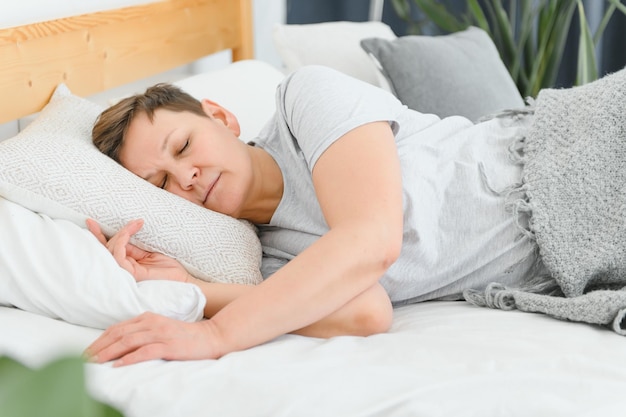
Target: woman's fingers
column 151, row 336
column 124, row 253
column 95, row 230
column 117, row 246
column 124, row 235
column 119, row 340
column 127, row 231
column 133, row 226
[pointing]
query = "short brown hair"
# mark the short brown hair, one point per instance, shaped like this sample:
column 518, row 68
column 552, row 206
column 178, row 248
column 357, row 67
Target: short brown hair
column 110, row 129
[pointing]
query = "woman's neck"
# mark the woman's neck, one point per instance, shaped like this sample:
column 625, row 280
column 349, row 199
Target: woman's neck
column 267, row 188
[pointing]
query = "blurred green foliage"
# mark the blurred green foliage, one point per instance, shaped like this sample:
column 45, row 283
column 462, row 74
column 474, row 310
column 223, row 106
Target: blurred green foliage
column 529, row 34
column 55, row 390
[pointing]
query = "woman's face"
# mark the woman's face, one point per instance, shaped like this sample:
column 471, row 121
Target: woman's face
column 198, row 158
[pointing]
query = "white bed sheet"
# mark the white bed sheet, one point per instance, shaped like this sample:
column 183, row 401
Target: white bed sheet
column 439, row 359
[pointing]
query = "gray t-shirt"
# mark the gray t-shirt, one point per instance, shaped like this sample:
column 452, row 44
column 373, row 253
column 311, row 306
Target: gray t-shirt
column 457, row 232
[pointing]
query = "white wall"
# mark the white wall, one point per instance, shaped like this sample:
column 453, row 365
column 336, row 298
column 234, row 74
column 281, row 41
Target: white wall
column 267, row 13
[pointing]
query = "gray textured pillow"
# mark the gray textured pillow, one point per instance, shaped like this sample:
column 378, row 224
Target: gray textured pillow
column 457, row 74
column 51, row 167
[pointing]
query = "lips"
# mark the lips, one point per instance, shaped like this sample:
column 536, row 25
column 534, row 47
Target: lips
column 210, row 188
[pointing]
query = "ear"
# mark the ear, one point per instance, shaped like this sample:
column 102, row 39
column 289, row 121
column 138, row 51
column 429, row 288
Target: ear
column 214, row 110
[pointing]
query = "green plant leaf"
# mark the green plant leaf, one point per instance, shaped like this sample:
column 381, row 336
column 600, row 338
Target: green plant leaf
column 618, row 4
column 545, row 23
column 477, row 15
column 526, row 46
column 587, row 70
column 56, row 390
column 557, row 47
column 605, row 21
column 439, row 15
column 402, row 9
column 530, row 35
column 490, row 15
column 507, row 43
column 554, row 23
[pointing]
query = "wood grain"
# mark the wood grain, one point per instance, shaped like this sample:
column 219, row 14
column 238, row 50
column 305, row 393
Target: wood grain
column 94, row 52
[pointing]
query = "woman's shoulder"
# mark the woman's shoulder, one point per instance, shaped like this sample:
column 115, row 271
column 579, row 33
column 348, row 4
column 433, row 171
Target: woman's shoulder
column 321, row 80
column 315, row 71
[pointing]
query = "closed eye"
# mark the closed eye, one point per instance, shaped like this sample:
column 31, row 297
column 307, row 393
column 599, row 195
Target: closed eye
column 185, row 146
column 180, row 151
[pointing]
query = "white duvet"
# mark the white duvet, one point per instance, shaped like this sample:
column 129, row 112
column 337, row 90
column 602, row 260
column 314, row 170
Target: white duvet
column 439, row 359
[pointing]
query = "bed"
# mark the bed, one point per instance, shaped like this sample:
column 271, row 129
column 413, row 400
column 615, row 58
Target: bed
column 439, row 358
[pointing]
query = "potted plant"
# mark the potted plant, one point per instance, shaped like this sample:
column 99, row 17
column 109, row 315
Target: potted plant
column 530, row 35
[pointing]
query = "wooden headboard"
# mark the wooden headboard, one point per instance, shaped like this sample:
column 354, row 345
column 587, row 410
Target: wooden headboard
column 94, row 52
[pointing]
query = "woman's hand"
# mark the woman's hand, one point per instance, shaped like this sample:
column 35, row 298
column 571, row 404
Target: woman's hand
column 151, row 336
column 143, row 265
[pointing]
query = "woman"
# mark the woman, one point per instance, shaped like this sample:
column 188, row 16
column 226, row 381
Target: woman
column 360, row 203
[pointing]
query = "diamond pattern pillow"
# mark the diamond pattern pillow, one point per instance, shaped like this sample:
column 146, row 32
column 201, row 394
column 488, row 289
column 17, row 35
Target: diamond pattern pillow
column 51, row 167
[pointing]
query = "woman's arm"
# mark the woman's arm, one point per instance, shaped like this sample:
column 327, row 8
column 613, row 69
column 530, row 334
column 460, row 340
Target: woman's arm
column 358, row 185
column 368, row 313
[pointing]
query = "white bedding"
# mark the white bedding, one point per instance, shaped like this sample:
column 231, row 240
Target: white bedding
column 439, row 359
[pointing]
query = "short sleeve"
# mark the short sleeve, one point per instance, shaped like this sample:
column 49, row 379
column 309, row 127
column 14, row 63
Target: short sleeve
column 319, row 105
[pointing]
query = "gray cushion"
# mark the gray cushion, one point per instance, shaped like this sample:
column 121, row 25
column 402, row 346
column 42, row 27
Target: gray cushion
column 456, row 74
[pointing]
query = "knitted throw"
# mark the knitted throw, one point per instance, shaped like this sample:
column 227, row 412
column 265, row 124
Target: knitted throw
column 574, row 180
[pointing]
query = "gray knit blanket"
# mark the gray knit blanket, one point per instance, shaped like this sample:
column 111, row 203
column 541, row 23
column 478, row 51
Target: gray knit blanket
column 574, row 184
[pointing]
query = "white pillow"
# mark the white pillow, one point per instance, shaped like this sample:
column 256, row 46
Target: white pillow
column 55, row 268
column 333, row 44
column 52, row 168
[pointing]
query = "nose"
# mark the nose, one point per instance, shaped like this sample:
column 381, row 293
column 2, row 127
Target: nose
column 187, row 178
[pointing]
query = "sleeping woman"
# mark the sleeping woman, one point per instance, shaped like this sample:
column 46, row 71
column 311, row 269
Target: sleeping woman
column 361, row 205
